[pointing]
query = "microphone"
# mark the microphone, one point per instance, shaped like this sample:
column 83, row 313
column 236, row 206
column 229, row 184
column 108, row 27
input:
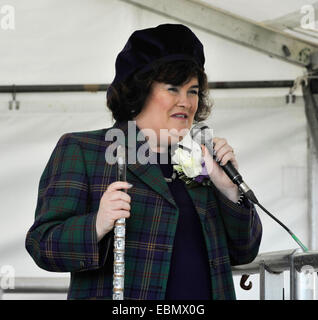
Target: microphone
column 202, row 134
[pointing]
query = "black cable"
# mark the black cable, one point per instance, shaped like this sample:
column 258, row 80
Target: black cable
column 250, row 195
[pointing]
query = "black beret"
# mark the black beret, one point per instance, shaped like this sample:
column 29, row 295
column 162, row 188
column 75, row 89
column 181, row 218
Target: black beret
column 166, row 42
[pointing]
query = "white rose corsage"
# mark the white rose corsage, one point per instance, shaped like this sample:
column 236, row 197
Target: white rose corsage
column 190, row 165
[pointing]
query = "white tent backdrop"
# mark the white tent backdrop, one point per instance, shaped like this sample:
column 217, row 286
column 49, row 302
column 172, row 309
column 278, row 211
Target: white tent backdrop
column 77, row 42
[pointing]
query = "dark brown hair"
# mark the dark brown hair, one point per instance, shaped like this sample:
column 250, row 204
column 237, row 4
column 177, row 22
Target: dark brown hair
column 126, row 99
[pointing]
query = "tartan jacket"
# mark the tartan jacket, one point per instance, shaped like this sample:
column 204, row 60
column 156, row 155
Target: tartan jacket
column 63, row 237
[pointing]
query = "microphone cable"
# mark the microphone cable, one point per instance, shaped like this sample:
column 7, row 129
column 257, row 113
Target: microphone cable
column 250, row 195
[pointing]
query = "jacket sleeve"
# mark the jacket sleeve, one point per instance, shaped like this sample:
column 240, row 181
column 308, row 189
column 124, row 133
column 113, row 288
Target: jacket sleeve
column 63, row 237
column 243, row 229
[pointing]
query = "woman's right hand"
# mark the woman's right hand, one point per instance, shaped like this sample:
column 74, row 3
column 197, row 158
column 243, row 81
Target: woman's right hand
column 114, row 204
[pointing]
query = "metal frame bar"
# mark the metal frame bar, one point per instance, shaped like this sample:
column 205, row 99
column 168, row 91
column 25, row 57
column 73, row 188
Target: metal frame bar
column 290, row 20
column 53, row 88
column 311, row 107
column 293, row 279
column 312, row 191
column 60, row 88
column 271, row 283
column 37, row 285
column 234, row 28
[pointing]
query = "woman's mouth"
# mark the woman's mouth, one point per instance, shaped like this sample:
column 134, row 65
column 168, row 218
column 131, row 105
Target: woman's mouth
column 181, row 116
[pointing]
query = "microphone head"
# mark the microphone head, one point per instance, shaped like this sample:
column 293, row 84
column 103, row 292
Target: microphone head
column 201, row 133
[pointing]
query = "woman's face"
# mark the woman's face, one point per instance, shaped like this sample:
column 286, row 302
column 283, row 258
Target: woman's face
column 169, row 107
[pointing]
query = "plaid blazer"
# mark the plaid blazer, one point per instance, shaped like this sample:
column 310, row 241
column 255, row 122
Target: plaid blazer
column 63, row 237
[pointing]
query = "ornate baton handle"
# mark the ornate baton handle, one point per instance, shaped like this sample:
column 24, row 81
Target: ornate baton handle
column 119, row 237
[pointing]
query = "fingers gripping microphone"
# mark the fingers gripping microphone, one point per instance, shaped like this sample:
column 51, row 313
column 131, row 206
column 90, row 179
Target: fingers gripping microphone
column 202, row 134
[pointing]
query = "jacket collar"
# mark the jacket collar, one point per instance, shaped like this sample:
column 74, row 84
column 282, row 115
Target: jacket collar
column 150, row 173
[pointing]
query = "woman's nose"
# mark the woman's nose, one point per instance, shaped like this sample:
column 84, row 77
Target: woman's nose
column 184, row 100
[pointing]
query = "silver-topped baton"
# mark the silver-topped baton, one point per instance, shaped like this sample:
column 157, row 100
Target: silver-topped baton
column 119, row 235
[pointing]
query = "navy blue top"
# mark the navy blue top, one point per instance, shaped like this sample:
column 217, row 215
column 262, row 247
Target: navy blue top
column 189, row 276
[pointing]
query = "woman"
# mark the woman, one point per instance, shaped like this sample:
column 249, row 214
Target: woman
column 180, row 241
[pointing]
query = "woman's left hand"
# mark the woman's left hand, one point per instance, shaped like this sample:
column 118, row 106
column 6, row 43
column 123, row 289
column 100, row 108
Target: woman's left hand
column 224, row 153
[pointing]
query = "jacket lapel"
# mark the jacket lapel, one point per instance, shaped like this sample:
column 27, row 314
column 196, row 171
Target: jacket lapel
column 149, row 173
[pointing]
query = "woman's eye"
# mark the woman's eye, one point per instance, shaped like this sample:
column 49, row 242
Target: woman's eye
column 173, row 89
column 196, row 92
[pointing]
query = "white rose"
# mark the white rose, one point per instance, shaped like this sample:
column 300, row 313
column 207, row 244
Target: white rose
column 190, row 163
